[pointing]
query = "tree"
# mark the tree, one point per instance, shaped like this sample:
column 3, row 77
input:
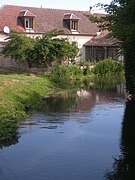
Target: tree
column 50, row 49
column 40, row 52
column 120, row 21
column 18, row 47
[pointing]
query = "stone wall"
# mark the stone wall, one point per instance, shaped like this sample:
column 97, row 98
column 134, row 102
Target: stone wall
column 8, row 64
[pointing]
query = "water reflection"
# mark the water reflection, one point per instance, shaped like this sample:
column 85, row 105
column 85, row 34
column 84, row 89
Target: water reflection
column 8, row 133
column 124, row 165
column 8, row 143
column 59, row 102
column 113, row 83
column 75, row 105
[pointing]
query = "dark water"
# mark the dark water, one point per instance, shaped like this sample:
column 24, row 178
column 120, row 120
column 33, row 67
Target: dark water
column 76, row 136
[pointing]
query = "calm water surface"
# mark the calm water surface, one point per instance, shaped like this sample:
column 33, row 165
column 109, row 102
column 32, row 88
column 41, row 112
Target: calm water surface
column 75, row 137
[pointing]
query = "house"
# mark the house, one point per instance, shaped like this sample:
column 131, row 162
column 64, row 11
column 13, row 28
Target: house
column 101, row 47
column 37, row 21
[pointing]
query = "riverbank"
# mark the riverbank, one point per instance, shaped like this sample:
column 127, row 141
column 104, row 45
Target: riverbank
column 21, row 93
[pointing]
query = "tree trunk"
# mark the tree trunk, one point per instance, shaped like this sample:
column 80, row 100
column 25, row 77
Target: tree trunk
column 130, row 69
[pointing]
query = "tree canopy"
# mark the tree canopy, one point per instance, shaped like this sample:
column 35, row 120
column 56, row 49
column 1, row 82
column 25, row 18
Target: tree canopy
column 40, row 52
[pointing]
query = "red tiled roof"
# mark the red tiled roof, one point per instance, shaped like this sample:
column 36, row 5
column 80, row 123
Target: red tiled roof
column 45, row 19
column 103, row 39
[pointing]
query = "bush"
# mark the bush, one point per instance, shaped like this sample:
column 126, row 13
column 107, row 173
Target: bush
column 108, row 67
column 66, row 73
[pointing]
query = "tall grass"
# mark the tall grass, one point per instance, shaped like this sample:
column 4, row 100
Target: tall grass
column 108, row 67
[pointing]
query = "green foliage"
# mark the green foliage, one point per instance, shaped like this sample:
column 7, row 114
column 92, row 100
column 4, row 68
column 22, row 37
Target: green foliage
column 40, row 52
column 119, row 21
column 20, row 94
column 122, row 25
column 122, row 21
column 63, row 74
column 18, row 47
column 108, row 67
column 55, row 50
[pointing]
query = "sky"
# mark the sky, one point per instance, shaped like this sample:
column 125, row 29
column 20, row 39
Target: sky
column 56, row 4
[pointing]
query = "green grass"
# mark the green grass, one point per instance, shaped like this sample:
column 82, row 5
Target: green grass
column 20, row 93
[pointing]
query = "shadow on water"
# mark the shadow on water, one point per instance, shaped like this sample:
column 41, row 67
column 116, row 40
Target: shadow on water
column 124, row 165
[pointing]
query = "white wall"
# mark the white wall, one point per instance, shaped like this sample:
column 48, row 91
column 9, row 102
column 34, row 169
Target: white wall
column 81, row 40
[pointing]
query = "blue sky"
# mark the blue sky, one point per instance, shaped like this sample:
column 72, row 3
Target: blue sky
column 56, row 4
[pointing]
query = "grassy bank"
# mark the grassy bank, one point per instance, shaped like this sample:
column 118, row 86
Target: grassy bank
column 20, row 93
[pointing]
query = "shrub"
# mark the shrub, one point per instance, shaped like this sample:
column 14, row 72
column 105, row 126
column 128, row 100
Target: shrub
column 66, row 73
column 18, row 47
column 108, row 67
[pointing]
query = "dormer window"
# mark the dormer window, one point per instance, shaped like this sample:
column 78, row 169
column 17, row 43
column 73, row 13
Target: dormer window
column 27, row 20
column 72, row 22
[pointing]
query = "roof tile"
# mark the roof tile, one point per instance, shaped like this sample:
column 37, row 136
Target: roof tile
column 45, row 19
column 103, row 39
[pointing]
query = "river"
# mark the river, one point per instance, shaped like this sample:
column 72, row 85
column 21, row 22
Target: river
column 75, row 136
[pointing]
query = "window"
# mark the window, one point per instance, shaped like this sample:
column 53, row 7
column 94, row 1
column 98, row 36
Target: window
column 71, row 22
column 74, row 25
column 29, row 23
